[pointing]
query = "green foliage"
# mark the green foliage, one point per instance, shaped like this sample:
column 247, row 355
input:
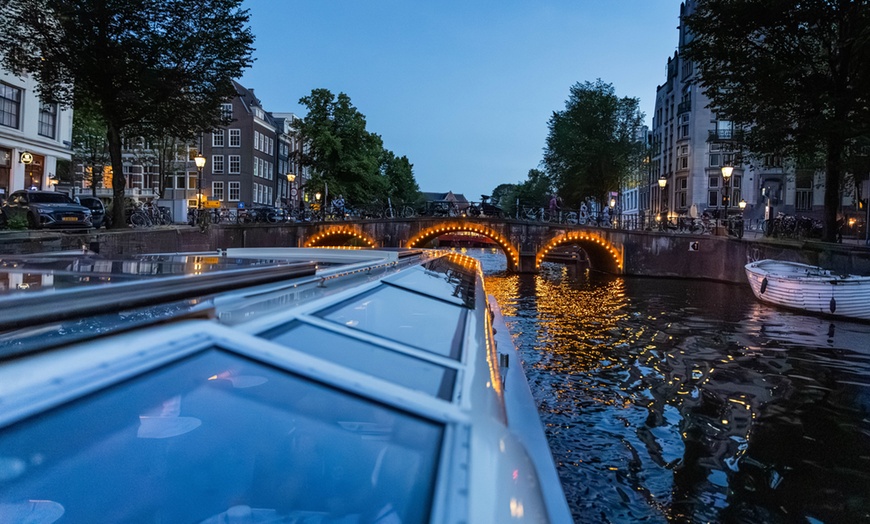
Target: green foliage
column 536, row 190
column 399, row 174
column 591, row 146
column 16, row 222
column 349, row 158
column 144, row 67
column 796, row 74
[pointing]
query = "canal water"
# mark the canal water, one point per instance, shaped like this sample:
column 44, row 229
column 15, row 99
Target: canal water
column 689, row 401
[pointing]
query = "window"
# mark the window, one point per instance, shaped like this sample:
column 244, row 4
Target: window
column 257, row 140
column 235, row 138
column 217, row 164
column 47, row 120
column 235, row 190
column 217, row 138
column 169, row 182
column 271, row 145
column 227, row 110
column 681, row 192
column 191, row 180
column 217, row 190
column 803, row 199
column 256, row 167
column 10, row 105
column 235, row 164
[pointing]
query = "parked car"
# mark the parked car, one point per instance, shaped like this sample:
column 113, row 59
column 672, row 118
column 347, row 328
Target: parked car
column 98, row 210
column 47, row 209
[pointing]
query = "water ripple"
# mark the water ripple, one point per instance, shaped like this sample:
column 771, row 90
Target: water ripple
column 674, row 401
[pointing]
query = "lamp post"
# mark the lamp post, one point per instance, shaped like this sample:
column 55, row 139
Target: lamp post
column 741, row 225
column 200, row 163
column 662, row 183
column 290, row 196
column 727, row 171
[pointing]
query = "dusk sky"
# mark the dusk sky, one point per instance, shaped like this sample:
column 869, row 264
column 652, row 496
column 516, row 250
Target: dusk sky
column 464, row 89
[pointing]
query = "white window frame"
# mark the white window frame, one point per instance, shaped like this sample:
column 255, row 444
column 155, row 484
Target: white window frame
column 235, row 138
column 234, row 191
column 217, row 138
column 217, row 164
column 217, row 191
column 235, row 164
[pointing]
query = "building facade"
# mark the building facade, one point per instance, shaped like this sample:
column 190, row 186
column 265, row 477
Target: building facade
column 34, row 136
column 691, row 144
column 254, row 160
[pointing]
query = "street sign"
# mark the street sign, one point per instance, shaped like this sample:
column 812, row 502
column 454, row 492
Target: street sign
column 293, row 191
column 694, row 246
column 211, row 204
column 26, row 157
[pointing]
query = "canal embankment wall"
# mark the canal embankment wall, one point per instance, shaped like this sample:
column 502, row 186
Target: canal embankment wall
column 644, row 253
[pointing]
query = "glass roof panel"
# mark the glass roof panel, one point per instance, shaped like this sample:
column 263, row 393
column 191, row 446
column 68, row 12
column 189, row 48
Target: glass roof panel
column 441, row 278
column 405, row 317
column 219, row 438
column 378, row 361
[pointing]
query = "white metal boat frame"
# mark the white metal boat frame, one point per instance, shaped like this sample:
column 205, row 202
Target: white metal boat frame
column 465, row 398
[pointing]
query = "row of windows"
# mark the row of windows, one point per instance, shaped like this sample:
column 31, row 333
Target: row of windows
column 263, row 169
column 234, row 161
column 263, row 143
column 10, row 112
column 235, row 138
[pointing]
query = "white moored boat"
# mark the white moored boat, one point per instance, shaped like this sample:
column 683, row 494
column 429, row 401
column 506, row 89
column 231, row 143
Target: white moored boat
column 810, row 288
column 305, row 386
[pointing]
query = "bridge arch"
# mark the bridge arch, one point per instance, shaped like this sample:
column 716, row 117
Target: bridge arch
column 430, row 233
column 603, row 255
column 340, row 236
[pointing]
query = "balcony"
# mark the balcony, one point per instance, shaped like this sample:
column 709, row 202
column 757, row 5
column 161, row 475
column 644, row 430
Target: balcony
column 684, row 107
column 725, row 135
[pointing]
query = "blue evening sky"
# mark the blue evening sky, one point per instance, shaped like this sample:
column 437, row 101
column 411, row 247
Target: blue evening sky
column 464, row 89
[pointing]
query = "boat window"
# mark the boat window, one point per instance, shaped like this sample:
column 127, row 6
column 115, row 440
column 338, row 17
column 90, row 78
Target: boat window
column 405, row 317
column 378, row 361
column 219, row 438
column 440, row 278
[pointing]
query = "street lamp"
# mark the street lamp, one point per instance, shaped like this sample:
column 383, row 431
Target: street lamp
column 742, row 224
column 662, row 196
column 200, row 163
column 290, row 178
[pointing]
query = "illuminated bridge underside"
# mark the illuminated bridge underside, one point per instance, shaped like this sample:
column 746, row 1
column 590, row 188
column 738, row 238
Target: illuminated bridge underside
column 427, row 235
column 340, row 236
column 602, row 255
column 524, row 244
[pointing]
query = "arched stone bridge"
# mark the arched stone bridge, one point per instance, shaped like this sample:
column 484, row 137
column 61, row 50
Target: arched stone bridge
column 525, row 244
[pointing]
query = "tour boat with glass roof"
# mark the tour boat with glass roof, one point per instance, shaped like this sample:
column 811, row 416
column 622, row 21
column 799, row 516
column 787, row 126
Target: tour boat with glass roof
column 339, row 386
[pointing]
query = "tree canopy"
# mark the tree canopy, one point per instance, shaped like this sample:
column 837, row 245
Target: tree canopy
column 796, row 75
column 146, row 67
column 592, row 144
column 534, row 192
column 348, row 158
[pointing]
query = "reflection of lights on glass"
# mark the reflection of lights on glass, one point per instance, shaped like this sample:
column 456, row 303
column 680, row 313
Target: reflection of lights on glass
column 516, row 508
column 352, row 323
column 11, row 467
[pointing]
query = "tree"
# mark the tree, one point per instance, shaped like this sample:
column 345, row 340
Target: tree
column 146, row 67
column 89, row 145
column 347, row 157
column 795, row 75
column 592, row 145
column 399, row 174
